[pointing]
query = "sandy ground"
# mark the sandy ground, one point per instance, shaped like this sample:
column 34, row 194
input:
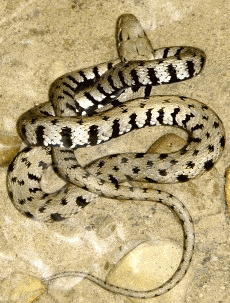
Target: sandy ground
column 41, row 40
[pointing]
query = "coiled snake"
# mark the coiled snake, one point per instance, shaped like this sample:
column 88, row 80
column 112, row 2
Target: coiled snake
column 87, row 108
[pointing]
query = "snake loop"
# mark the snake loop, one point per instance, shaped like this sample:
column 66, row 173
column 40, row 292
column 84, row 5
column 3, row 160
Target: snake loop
column 92, row 106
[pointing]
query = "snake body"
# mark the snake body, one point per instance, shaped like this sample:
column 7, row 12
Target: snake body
column 92, row 106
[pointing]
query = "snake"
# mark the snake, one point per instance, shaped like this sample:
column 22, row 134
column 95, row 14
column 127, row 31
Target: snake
column 100, row 103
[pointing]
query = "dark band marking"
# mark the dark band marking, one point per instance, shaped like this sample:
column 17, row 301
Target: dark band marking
column 148, row 117
column 95, row 71
column 115, row 128
column 121, row 78
column 160, row 118
column 182, row 178
column 93, row 133
column 26, row 162
column 114, row 181
column 183, row 151
column 178, row 51
column 148, row 89
column 11, row 167
column 132, row 121
column 45, row 113
column 174, row 114
column 115, row 102
column 190, row 164
column 82, row 202
column 165, row 54
column 195, row 153
column 216, row 124
column 163, row 156
column 135, row 89
column 73, row 79
column 81, row 73
column 66, row 133
column 142, row 104
column 33, row 177
column 115, row 168
column 102, row 91
column 173, row 162
column 204, row 107
column 208, row 165
column 139, row 155
column 162, row 172
column 222, row 141
column 196, row 127
column 135, row 77
column 210, row 147
column 105, row 118
column 39, row 134
column 10, row 194
column 129, row 178
column 152, row 76
column 91, row 98
column 60, row 97
column 110, row 80
column 34, row 190
column 57, row 217
column 110, row 65
column 70, row 107
column 101, row 163
column 42, row 209
column 13, row 180
column 173, row 75
column 202, row 61
column 54, row 121
column 150, row 180
column 67, row 94
column 113, row 156
column 187, row 119
column 21, row 182
column 149, row 163
column 69, row 86
column 192, row 139
column 136, row 170
column 28, row 214
column 190, row 68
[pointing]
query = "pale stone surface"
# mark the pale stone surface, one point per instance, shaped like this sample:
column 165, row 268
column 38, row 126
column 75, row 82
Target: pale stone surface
column 41, row 40
column 9, row 147
column 20, row 288
column 148, row 266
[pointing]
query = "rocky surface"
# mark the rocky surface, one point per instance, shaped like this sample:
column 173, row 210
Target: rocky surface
column 41, row 40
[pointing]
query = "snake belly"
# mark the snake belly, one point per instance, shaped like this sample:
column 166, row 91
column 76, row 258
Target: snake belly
column 93, row 106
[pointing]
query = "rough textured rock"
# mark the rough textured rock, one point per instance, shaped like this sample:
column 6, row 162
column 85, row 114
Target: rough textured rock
column 43, row 39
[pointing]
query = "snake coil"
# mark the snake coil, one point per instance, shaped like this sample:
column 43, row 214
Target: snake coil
column 92, row 106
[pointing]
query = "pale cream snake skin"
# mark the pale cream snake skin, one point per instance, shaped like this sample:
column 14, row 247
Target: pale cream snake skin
column 92, row 106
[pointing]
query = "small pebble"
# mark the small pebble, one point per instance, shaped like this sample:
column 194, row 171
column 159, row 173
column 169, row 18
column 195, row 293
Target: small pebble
column 167, row 144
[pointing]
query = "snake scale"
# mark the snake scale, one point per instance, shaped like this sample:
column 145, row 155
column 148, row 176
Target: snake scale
column 103, row 102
